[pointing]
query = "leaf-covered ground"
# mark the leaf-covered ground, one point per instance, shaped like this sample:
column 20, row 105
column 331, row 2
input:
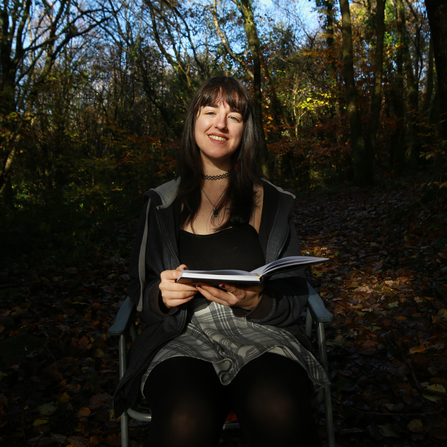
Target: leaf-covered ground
column 385, row 284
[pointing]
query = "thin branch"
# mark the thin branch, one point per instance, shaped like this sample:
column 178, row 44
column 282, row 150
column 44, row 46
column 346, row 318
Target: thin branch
column 224, row 40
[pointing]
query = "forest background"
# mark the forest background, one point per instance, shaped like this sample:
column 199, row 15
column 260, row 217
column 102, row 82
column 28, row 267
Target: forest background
column 350, row 99
column 93, row 96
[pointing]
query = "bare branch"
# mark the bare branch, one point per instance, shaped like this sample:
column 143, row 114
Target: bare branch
column 224, row 39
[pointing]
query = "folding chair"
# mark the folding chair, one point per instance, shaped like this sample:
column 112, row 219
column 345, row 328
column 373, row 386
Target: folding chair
column 317, row 316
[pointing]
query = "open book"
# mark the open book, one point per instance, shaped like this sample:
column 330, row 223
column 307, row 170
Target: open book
column 216, row 277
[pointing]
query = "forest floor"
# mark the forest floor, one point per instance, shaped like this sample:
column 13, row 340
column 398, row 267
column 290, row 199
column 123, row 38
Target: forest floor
column 385, row 284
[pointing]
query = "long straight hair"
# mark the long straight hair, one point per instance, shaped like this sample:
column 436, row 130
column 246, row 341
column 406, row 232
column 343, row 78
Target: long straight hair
column 240, row 194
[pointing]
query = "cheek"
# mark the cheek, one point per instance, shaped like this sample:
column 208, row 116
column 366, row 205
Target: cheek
column 198, row 131
column 239, row 135
column 200, row 127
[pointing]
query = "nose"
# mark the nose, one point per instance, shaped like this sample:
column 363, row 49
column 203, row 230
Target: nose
column 221, row 121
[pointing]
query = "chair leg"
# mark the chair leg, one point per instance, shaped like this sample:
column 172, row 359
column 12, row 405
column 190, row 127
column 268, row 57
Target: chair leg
column 124, row 430
column 329, row 416
column 122, row 369
column 321, row 336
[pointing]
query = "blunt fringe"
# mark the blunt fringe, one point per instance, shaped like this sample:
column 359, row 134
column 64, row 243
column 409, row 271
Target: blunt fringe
column 245, row 170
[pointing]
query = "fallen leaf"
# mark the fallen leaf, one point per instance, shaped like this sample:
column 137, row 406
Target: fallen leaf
column 84, row 412
column 416, row 349
column 39, row 422
column 415, row 426
column 64, row 398
column 436, row 387
column 47, row 409
column 387, row 431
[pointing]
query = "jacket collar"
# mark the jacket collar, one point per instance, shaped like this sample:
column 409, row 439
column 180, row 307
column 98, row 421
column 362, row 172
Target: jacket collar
column 167, row 193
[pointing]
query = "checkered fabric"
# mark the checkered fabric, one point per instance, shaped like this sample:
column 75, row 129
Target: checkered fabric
column 215, row 335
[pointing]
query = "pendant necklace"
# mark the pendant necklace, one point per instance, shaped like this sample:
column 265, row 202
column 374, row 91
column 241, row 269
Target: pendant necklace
column 215, row 207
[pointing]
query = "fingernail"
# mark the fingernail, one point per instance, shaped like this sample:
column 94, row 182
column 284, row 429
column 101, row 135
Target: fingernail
column 222, row 286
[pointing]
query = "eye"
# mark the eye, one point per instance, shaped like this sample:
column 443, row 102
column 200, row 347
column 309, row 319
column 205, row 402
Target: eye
column 237, row 119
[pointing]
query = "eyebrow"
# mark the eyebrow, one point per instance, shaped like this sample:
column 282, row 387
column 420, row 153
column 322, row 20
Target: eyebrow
column 215, row 106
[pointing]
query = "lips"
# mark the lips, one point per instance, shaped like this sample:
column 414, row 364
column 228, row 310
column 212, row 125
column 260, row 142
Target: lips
column 217, row 138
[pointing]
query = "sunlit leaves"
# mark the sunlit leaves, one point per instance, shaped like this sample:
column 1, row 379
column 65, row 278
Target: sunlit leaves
column 387, row 346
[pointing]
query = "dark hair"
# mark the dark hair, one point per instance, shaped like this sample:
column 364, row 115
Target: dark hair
column 244, row 174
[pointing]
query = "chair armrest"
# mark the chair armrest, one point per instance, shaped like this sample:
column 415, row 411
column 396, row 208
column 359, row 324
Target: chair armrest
column 123, row 318
column 316, row 306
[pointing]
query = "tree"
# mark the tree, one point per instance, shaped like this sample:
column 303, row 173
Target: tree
column 437, row 16
column 32, row 36
column 362, row 148
column 245, row 8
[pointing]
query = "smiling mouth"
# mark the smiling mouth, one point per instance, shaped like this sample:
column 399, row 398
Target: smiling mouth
column 215, row 137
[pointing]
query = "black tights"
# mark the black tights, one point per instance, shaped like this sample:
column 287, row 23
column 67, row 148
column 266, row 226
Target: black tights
column 270, row 396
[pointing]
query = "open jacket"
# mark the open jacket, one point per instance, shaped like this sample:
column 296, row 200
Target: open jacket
column 155, row 250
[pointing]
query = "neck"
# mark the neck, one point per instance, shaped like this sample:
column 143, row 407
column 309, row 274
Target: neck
column 215, row 167
column 216, row 177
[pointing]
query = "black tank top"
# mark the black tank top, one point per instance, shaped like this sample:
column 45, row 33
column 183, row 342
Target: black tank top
column 233, row 248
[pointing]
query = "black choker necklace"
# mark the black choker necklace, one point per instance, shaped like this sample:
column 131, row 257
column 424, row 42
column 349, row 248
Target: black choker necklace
column 216, row 177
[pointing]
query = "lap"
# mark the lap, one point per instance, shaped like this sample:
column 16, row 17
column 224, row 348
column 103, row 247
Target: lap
column 183, row 378
column 187, row 377
column 270, row 396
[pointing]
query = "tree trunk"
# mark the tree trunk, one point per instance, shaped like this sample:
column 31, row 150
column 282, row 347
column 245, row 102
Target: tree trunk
column 363, row 172
column 437, row 17
column 412, row 89
column 376, row 100
column 245, row 8
column 398, row 140
column 430, row 73
column 332, row 69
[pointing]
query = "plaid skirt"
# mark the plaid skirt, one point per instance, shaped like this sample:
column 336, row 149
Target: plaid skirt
column 215, row 335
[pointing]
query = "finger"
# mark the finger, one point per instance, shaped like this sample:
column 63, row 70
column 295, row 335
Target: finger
column 171, row 274
column 218, row 296
column 228, row 288
column 177, row 288
column 182, row 267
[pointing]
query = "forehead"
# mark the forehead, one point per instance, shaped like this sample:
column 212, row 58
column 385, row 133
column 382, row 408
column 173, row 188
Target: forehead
column 216, row 98
column 221, row 104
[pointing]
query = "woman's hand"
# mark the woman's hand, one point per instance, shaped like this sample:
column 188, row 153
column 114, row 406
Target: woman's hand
column 230, row 295
column 174, row 293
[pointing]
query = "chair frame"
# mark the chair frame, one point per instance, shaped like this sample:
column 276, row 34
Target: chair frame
column 317, row 316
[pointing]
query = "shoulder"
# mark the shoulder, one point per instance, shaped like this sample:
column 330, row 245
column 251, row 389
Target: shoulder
column 270, row 187
column 275, row 194
column 164, row 195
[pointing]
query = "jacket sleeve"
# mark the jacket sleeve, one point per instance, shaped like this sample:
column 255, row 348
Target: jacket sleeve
column 285, row 295
column 146, row 265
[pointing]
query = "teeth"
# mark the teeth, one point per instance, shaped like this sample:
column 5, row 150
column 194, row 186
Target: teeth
column 215, row 137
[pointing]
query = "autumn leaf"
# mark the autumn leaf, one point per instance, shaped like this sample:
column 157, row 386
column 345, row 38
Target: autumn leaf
column 415, row 425
column 437, row 387
column 64, row 398
column 416, row 349
column 39, row 422
column 47, row 409
column 84, row 412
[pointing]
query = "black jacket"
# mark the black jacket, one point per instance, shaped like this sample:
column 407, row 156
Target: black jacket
column 155, row 250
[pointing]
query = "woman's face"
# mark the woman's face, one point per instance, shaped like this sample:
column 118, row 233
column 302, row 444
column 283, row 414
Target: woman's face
column 218, row 133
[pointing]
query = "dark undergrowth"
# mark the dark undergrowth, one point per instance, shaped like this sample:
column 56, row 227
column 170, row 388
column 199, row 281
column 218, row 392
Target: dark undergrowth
column 385, row 284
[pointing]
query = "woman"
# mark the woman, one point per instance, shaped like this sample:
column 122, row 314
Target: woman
column 207, row 350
